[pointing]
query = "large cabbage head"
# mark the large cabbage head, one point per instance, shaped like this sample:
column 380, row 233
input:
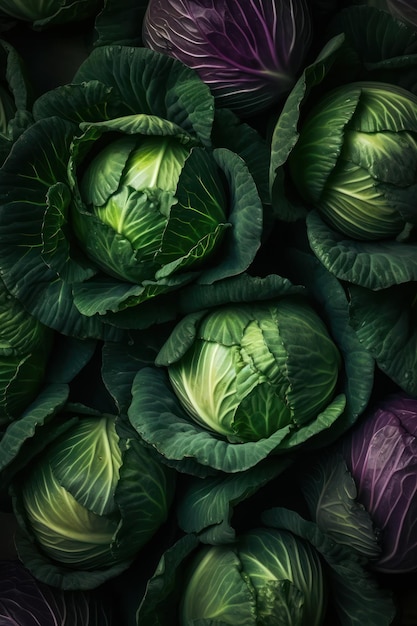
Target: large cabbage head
column 356, row 160
column 150, row 206
column 269, row 577
column 381, row 454
column 254, row 369
column 249, row 52
column 91, row 500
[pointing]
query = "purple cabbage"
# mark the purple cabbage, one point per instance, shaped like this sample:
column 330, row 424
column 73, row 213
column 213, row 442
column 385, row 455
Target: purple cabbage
column 249, row 52
column 25, row 601
column 381, row 454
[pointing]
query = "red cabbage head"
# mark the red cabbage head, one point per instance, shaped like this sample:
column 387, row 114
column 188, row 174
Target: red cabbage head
column 249, row 52
column 381, row 454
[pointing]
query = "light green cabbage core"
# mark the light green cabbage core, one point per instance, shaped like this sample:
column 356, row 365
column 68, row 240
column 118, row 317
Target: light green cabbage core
column 254, row 370
column 154, row 163
column 149, row 208
column 268, row 577
column 356, row 160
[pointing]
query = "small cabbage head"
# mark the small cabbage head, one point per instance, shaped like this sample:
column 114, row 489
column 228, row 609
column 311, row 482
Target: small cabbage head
column 269, row 577
column 356, row 160
column 85, row 491
column 381, row 454
column 249, row 53
column 142, row 217
column 254, row 369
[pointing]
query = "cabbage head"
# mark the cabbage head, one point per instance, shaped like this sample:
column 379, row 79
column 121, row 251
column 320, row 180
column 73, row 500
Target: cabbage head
column 248, row 52
column 129, row 185
column 356, row 160
column 91, row 501
column 362, row 491
column 381, row 455
column 255, row 369
column 138, row 217
column 268, row 576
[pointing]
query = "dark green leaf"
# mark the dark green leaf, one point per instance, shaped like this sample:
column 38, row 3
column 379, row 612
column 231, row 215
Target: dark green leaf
column 206, row 505
column 385, row 324
column 159, row 606
column 285, row 133
column 144, row 494
column 154, row 84
column 331, row 495
column 374, row 265
column 243, row 239
column 357, row 376
column 21, row 440
column 120, row 22
column 90, row 101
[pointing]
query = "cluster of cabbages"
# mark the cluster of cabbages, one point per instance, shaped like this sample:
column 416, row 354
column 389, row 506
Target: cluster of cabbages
column 208, row 295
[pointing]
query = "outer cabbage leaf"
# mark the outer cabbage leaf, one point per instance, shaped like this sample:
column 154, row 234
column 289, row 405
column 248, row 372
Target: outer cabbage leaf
column 377, row 46
column 119, row 22
column 206, row 506
column 231, row 133
column 374, row 265
column 165, row 585
column 68, row 358
column 120, row 361
column 331, row 495
column 285, row 132
column 304, row 268
column 385, row 324
column 31, row 170
column 152, row 84
column 20, row 442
